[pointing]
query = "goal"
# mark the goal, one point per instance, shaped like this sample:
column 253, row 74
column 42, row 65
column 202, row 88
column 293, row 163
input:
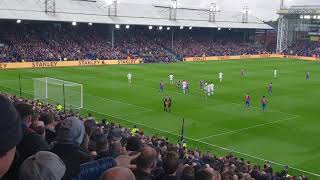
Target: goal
column 57, row 91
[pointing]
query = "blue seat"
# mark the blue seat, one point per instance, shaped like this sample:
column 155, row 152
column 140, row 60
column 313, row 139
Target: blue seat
column 93, row 170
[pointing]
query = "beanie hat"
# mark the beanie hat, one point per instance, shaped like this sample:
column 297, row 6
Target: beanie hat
column 44, row 165
column 70, row 131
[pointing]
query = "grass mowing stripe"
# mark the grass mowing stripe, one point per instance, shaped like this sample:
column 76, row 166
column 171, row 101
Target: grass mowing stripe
column 250, row 127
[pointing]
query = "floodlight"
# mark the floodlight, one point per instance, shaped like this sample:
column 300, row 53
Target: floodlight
column 150, row 27
column 213, row 7
column 127, row 26
column 160, row 27
column 229, row 29
column 74, row 23
column 190, row 28
column 301, row 17
column 219, row 29
column 318, row 17
column 174, row 4
column 19, row 21
column 109, row 2
column 90, row 23
column 181, row 27
column 117, row 26
column 307, row 17
column 168, row 28
column 314, row 17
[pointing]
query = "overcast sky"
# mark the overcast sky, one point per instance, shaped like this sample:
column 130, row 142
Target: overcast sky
column 263, row 9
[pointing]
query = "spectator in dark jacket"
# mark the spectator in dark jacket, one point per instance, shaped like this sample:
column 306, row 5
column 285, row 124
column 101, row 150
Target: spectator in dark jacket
column 48, row 120
column 146, row 163
column 31, row 142
column 69, row 137
column 170, row 165
column 187, row 173
column 10, row 134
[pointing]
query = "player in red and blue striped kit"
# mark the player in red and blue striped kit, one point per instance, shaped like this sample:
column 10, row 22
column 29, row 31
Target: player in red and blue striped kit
column 248, row 99
column 264, row 103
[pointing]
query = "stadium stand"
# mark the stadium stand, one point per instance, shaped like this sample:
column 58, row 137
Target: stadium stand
column 51, row 42
column 305, row 48
column 82, row 149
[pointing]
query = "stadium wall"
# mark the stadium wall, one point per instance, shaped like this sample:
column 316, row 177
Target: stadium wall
column 49, row 64
column 260, row 56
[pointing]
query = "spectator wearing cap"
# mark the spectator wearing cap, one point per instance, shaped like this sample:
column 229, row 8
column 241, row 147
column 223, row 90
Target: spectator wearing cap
column 70, row 133
column 43, row 165
column 170, row 165
column 115, row 135
column 10, row 134
column 48, row 120
column 146, row 163
column 31, row 142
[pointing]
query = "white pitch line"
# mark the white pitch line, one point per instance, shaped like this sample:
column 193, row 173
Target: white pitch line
column 107, row 99
column 135, row 113
column 212, row 145
column 250, row 127
column 103, row 98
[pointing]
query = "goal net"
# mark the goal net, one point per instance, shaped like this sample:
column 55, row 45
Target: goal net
column 56, row 91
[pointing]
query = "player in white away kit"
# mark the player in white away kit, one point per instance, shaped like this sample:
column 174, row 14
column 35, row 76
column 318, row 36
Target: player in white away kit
column 220, row 76
column 171, row 78
column 275, row 73
column 210, row 89
column 205, row 89
column 129, row 76
column 211, row 86
column 184, row 86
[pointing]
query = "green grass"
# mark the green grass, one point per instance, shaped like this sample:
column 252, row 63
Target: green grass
column 286, row 134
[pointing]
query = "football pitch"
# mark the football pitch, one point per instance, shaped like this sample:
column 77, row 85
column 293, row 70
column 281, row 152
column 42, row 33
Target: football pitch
column 286, row 134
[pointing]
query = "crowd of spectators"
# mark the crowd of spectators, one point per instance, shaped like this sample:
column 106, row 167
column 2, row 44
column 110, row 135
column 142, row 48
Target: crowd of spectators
column 305, row 48
column 40, row 142
column 48, row 42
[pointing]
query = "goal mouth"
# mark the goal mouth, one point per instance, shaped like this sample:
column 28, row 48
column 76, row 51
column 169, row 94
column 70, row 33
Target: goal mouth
column 57, row 91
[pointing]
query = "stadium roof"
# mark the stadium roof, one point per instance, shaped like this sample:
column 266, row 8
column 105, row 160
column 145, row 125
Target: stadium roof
column 306, row 7
column 132, row 14
column 301, row 10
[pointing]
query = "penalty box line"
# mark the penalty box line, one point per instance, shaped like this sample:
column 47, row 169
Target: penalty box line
column 206, row 143
column 247, row 128
column 103, row 98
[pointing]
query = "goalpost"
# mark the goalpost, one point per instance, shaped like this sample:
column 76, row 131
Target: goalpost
column 57, row 91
